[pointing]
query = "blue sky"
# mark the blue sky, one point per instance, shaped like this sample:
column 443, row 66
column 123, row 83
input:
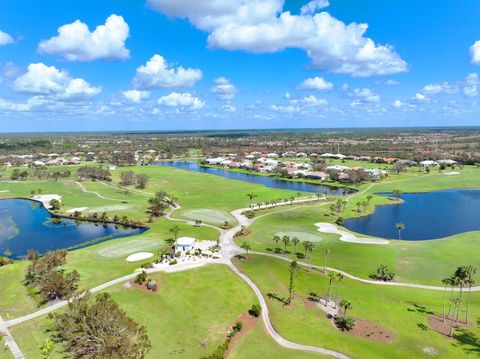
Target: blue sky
column 209, row 64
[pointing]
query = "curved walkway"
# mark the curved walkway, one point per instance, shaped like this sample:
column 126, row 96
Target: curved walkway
column 82, row 187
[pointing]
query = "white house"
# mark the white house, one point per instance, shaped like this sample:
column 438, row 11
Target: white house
column 338, row 168
column 185, row 244
column 429, row 163
column 215, row 161
column 447, row 162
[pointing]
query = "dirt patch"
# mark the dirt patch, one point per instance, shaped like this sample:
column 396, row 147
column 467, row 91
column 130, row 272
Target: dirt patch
column 142, row 287
column 249, row 322
column 437, row 324
column 372, row 331
column 309, row 304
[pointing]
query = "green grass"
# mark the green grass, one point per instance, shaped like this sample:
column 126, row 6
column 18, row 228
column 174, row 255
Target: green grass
column 187, row 318
column 391, row 308
column 94, row 263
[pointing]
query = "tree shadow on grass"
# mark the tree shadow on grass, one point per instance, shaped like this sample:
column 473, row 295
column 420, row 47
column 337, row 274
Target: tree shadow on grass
column 468, row 341
column 275, row 296
column 420, row 309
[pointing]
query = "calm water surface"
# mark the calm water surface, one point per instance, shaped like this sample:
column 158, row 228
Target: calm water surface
column 426, row 216
column 27, row 225
column 271, row 182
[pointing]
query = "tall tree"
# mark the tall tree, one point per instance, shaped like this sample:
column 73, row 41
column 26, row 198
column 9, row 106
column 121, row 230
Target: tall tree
column 286, row 242
column 327, row 251
column 251, row 196
column 339, row 279
column 345, row 304
column 295, row 242
column 293, row 268
column 175, row 230
column 471, row 271
column 400, row 227
column 276, row 239
column 331, row 277
column 246, row 246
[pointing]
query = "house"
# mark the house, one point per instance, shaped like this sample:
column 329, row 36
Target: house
column 39, row 163
column 429, row 163
column 272, row 155
column 111, row 168
column 215, row 161
column 338, row 168
column 317, row 176
column 447, row 162
column 185, row 244
column 301, row 155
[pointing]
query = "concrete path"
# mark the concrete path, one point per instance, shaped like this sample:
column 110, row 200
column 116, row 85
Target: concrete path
column 10, row 342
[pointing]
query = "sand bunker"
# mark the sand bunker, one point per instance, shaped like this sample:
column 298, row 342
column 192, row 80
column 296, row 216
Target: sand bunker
column 116, row 207
column 452, row 173
column 46, row 198
column 79, row 209
column 347, row 236
column 139, row 256
column 4, row 190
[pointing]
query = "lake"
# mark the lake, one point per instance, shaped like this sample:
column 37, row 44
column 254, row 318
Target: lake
column 430, row 215
column 271, row 182
column 26, row 224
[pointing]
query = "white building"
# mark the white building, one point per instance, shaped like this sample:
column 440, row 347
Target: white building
column 215, row 161
column 185, row 244
column 429, row 163
column 447, row 162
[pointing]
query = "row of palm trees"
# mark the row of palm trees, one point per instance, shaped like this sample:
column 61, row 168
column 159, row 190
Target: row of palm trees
column 462, row 278
column 252, row 196
column 286, row 241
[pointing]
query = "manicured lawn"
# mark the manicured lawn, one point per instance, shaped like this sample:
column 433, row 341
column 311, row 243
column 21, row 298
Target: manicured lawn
column 187, row 318
column 402, row 311
column 96, row 264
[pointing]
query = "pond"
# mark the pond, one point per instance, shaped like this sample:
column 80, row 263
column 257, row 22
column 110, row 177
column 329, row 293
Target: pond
column 267, row 181
column 26, row 225
column 429, row 215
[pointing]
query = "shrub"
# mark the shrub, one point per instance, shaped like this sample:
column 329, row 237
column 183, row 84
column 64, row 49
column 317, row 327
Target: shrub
column 255, row 311
column 173, row 262
column 383, row 273
column 141, row 277
column 346, row 323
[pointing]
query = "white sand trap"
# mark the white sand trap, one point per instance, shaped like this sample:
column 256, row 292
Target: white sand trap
column 139, row 256
column 452, row 173
column 79, row 209
column 303, row 236
column 115, row 207
column 4, row 190
column 209, row 215
column 347, row 236
column 46, row 198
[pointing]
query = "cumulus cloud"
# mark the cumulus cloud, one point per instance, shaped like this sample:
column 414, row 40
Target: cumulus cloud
column 75, row 42
column 261, row 26
column 445, row 88
column 316, row 83
column 41, row 79
column 157, row 73
column 472, row 82
column 419, row 98
column 136, row 95
column 397, row 103
column 310, row 101
column 228, row 108
column 289, row 109
column 224, row 89
column 5, row 39
column 181, row 100
column 313, row 6
column 365, row 95
column 475, row 53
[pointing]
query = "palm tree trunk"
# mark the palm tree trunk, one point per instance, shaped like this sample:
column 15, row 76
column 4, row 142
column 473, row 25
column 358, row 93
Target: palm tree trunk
column 466, row 306
column 329, row 291
column 325, row 264
column 444, row 291
column 336, row 296
column 459, row 303
column 344, row 312
column 450, row 303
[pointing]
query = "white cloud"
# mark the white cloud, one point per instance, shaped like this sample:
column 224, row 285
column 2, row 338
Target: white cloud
column 228, row 108
column 136, row 95
column 475, row 53
column 397, row 103
column 290, row 109
column 41, row 79
column 313, row 6
column 316, row 83
column 157, row 73
column 224, row 89
column 261, row 26
column 365, row 95
column 445, row 88
column 5, row 39
column 310, row 101
column 75, row 42
column 420, row 98
column 472, row 83
column 183, row 100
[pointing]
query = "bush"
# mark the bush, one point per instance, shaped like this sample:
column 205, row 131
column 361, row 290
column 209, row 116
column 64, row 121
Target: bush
column 255, row 311
column 238, row 326
column 141, row 277
column 249, row 214
column 173, row 262
column 346, row 323
column 383, row 273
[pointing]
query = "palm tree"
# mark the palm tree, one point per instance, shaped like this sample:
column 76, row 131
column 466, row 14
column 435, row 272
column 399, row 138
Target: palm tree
column 471, row 271
column 293, row 267
column 339, row 279
column 369, row 199
column 456, row 307
column 396, row 194
column 276, row 239
column 251, row 196
column 327, row 251
column 295, row 241
column 175, row 230
column 246, row 246
column 286, row 242
column 446, row 281
column 308, row 246
column 345, row 304
column 358, row 204
column 400, row 227
column 331, row 278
